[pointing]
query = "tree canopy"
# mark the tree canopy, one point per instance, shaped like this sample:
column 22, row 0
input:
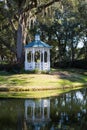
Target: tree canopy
column 63, row 24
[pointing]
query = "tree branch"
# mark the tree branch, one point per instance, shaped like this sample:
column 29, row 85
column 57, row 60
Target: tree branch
column 46, row 5
column 39, row 8
column 12, row 24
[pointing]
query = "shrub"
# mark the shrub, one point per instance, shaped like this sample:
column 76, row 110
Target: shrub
column 13, row 68
column 80, row 64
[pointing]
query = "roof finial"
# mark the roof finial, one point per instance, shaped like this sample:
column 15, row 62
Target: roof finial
column 37, row 37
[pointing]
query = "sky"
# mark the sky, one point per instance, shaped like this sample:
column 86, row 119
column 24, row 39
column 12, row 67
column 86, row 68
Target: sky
column 80, row 45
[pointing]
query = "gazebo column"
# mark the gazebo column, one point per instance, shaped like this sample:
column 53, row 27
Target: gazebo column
column 48, row 59
column 48, row 112
column 33, row 59
column 43, row 58
column 40, row 60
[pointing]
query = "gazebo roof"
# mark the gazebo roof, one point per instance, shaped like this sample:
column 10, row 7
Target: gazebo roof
column 37, row 43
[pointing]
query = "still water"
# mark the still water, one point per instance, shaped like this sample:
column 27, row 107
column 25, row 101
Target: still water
column 65, row 112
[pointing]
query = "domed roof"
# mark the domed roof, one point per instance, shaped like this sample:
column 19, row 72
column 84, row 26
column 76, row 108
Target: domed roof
column 37, row 43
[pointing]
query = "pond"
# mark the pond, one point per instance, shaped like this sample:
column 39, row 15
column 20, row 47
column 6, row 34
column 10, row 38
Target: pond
column 65, row 112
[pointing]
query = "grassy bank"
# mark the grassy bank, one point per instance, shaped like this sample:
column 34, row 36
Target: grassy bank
column 41, row 85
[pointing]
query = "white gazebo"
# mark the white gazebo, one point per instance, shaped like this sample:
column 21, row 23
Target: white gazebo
column 37, row 55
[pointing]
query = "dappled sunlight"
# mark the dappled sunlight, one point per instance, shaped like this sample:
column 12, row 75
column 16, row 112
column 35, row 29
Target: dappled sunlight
column 54, row 80
column 72, row 77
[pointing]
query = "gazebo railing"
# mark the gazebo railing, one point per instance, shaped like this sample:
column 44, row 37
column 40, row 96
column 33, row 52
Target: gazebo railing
column 37, row 65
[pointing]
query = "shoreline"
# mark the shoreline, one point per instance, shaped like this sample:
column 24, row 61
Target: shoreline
column 30, row 85
column 38, row 93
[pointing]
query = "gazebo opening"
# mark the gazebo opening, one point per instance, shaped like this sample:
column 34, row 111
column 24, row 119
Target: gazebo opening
column 45, row 56
column 29, row 56
column 37, row 55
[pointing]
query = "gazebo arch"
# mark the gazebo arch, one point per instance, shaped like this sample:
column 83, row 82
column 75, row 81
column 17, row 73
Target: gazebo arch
column 37, row 55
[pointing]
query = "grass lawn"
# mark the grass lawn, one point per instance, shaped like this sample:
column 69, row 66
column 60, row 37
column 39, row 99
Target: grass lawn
column 41, row 85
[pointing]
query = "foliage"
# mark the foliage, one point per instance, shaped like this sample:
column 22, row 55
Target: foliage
column 62, row 24
column 11, row 68
column 65, row 31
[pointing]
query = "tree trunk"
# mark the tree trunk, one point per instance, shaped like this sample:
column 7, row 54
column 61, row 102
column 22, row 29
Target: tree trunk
column 19, row 43
column 21, row 37
column 72, row 52
column 85, row 50
column 59, row 47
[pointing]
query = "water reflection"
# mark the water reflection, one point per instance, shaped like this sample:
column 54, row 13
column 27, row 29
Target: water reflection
column 37, row 113
column 65, row 112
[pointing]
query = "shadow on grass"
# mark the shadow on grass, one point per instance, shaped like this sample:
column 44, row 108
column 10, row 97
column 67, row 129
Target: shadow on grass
column 68, row 79
column 71, row 76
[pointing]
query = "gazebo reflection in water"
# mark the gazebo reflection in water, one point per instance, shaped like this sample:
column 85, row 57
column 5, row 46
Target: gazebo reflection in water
column 37, row 113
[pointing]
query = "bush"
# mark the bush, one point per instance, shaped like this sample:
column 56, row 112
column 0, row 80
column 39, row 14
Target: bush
column 14, row 68
column 80, row 64
column 35, row 71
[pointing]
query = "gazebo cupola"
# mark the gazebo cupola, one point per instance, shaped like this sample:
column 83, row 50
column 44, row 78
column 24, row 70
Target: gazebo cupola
column 37, row 55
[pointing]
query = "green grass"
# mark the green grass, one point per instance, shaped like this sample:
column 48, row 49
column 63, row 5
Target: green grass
column 25, row 85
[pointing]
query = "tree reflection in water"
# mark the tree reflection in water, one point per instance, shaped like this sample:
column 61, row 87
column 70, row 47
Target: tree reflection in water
column 65, row 112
